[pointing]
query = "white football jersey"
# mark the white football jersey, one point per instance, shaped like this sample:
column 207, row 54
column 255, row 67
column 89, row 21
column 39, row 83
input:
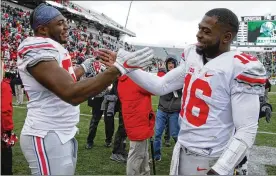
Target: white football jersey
column 206, row 122
column 46, row 111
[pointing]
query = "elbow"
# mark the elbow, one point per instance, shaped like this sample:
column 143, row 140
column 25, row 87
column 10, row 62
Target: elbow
column 75, row 99
column 74, row 103
column 247, row 134
column 158, row 93
column 157, row 90
column 70, row 98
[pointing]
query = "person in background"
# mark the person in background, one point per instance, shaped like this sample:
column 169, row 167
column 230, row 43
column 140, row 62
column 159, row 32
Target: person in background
column 95, row 103
column 19, row 90
column 119, row 153
column 139, row 121
column 267, row 89
column 8, row 138
column 168, row 111
column 167, row 136
column 110, row 105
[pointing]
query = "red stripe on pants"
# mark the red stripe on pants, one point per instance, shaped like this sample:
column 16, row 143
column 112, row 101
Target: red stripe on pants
column 41, row 156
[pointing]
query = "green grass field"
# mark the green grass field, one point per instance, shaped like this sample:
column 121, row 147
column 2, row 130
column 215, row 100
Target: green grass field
column 96, row 161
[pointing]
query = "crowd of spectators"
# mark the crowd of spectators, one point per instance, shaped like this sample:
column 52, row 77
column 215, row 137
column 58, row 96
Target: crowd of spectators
column 269, row 61
column 82, row 41
column 67, row 3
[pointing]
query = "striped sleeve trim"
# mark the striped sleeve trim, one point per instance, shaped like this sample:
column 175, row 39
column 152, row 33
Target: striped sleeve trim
column 32, row 44
column 251, row 79
column 26, row 49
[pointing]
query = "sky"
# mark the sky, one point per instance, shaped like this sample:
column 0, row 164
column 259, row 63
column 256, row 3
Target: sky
column 171, row 23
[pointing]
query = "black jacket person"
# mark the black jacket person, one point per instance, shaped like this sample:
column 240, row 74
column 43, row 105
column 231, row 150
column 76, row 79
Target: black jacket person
column 168, row 111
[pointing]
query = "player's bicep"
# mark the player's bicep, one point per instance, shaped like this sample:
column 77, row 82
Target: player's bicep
column 245, row 109
column 50, row 75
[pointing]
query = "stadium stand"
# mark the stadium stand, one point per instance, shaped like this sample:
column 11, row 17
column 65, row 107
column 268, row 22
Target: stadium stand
column 85, row 36
column 89, row 30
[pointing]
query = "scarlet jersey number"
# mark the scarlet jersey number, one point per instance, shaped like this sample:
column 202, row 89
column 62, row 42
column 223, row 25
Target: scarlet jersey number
column 67, row 65
column 248, row 57
column 195, row 102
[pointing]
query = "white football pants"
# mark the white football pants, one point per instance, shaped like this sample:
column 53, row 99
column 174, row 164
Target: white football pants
column 48, row 156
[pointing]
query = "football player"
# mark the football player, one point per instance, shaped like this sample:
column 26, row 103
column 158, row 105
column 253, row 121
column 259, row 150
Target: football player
column 47, row 138
column 221, row 91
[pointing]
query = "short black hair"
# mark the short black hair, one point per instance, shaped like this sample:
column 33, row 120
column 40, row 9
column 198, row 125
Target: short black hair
column 225, row 17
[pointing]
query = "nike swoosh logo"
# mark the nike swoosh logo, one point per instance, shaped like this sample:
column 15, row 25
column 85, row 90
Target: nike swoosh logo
column 200, row 169
column 207, row 75
column 128, row 66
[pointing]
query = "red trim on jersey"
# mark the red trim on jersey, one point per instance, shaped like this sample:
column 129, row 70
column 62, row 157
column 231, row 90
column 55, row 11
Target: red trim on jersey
column 24, row 49
column 251, row 80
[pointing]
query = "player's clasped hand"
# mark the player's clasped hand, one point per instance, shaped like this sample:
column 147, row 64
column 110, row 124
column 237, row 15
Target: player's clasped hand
column 126, row 61
column 89, row 66
column 106, row 56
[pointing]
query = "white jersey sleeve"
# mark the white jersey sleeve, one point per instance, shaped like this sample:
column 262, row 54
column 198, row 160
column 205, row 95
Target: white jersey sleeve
column 170, row 82
column 156, row 85
column 246, row 125
column 249, row 75
column 247, row 85
column 35, row 49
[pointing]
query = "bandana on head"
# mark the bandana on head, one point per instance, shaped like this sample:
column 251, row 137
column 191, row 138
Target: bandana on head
column 43, row 14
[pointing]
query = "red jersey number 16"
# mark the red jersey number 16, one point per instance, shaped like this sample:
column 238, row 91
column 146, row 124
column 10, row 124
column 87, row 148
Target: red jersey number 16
column 195, row 102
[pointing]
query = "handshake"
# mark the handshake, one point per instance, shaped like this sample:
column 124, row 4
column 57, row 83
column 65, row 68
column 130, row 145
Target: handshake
column 123, row 60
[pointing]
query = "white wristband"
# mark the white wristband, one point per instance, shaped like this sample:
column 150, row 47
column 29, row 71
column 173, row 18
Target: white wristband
column 120, row 68
column 84, row 67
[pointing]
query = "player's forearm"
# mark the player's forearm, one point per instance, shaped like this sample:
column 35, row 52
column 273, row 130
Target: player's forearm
column 91, row 86
column 236, row 150
column 246, row 125
column 158, row 85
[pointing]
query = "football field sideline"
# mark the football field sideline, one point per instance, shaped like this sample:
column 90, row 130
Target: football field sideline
column 89, row 115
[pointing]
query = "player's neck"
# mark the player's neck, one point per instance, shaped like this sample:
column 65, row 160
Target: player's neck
column 40, row 35
column 221, row 51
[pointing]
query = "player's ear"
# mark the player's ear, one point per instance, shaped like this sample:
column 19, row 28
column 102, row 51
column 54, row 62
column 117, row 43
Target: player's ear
column 227, row 37
column 43, row 30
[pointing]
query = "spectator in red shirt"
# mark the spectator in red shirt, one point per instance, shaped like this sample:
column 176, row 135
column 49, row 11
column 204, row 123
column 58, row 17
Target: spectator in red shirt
column 19, row 28
column 13, row 54
column 139, row 119
column 7, row 137
column 72, row 54
column 7, row 32
column 6, row 16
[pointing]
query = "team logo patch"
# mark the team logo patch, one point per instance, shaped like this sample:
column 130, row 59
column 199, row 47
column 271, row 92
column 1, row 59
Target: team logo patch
column 191, row 70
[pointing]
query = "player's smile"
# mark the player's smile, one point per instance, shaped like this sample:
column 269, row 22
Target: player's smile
column 200, row 45
column 64, row 35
